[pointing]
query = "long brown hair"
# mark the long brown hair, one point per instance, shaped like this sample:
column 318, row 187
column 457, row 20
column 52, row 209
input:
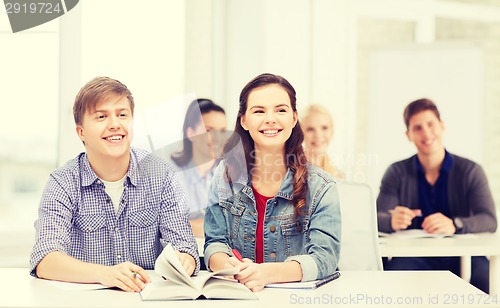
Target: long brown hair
column 295, row 157
column 194, row 113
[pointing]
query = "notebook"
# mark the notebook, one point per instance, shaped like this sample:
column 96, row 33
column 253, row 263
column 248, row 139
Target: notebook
column 305, row 285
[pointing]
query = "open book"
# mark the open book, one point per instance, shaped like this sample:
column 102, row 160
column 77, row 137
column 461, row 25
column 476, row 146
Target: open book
column 304, row 285
column 412, row 233
column 170, row 281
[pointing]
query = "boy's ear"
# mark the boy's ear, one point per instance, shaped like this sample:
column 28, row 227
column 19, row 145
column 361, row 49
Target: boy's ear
column 408, row 136
column 80, row 132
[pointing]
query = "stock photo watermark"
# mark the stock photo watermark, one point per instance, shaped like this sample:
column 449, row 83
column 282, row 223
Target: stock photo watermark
column 381, row 299
column 25, row 14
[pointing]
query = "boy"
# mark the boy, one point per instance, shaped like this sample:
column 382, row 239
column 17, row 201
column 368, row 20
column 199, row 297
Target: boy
column 106, row 215
column 437, row 191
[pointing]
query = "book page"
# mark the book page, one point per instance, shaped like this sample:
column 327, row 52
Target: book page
column 168, row 265
column 416, row 233
column 221, row 288
column 204, row 276
column 168, row 290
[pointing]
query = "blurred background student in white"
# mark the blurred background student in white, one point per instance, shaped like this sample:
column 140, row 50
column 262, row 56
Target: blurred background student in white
column 204, row 134
column 317, row 124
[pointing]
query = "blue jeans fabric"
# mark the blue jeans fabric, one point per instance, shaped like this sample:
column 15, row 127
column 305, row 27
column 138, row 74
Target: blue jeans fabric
column 313, row 239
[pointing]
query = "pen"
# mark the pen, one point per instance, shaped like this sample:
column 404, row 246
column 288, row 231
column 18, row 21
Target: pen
column 418, row 215
column 237, row 254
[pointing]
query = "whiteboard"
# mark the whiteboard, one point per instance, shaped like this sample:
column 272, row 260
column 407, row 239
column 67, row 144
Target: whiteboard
column 451, row 75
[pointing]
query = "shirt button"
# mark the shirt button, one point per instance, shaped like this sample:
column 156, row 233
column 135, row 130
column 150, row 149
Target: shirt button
column 119, row 256
column 272, row 255
column 251, row 213
column 98, row 182
column 89, row 228
column 272, row 228
column 116, row 230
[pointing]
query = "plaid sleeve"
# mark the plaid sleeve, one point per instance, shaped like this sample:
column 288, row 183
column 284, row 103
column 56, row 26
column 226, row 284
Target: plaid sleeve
column 53, row 225
column 174, row 223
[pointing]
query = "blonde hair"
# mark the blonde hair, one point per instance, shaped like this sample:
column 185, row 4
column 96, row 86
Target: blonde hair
column 95, row 91
column 327, row 164
column 317, row 108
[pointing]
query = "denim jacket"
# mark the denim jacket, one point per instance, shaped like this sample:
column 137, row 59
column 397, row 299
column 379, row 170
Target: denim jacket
column 313, row 240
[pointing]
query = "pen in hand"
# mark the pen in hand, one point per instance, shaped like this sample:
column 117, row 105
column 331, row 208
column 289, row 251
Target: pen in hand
column 418, row 212
column 237, row 254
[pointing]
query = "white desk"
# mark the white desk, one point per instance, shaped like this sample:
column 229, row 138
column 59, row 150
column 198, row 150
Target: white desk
column 481, row 244
column 363, row 289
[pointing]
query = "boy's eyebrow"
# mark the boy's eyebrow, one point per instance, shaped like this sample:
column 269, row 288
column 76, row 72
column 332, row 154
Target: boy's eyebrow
column 108, row 110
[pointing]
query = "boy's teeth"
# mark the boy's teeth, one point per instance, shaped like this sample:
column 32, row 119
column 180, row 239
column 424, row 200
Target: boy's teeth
column 114, row 138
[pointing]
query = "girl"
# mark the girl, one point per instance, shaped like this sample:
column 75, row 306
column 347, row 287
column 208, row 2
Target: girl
column 266, row 201
column 204, row 132
column 317, row 124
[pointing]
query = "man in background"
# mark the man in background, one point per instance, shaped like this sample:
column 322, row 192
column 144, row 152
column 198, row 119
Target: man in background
column 437, row 191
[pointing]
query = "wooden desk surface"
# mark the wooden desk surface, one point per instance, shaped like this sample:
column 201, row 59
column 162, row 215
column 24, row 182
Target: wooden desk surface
column 363, row 289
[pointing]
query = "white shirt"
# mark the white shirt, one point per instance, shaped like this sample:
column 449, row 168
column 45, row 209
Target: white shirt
column 115, row 191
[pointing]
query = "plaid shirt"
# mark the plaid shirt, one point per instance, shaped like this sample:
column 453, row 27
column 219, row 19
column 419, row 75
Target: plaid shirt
column 77, row 217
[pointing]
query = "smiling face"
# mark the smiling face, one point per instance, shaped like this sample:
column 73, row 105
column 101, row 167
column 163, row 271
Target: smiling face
column 318, row 132
column 269, row 117
column 106, row 131
column 208, row 136
column 426, row 131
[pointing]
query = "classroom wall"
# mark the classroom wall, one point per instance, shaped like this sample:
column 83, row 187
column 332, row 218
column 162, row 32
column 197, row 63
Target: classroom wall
column 183, row 49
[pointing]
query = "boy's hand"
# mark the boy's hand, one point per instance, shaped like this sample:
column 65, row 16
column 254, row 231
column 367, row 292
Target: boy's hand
column 438, row 223
column 402, row 216
column 187, row 262
column 126, row 276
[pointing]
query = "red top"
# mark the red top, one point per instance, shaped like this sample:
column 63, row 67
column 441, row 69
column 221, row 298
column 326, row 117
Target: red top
column 260, row 203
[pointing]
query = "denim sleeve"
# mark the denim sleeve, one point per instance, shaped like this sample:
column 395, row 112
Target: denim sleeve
column 323, row 246
column 53, row 227
column 216, row 233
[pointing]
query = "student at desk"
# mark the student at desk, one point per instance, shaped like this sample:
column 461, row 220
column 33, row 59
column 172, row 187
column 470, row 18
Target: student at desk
column 317, row 123
column 106, row 215
column 204, row 134
column 436, row 191
column 266, row 201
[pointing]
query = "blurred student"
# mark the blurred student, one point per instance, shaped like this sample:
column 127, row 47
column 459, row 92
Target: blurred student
column 204, row 134
column 317, row 124
column 281, row 213
column 437, row 191
column 106, row 215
